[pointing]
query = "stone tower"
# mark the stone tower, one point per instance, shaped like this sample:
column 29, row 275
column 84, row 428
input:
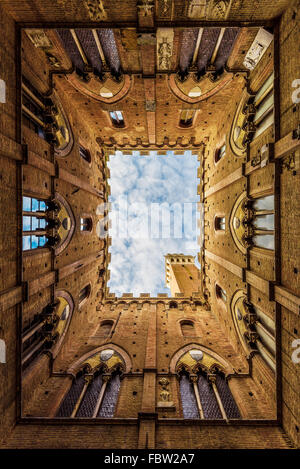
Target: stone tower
column 182, row 276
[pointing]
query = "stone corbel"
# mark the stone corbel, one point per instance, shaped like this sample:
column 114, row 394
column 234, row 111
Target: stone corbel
column 290, row 162
column 251, row 337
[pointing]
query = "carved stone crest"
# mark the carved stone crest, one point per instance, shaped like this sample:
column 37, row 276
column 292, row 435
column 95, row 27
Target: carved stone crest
column 164, row 394
column 95, row 10
column 106, row 355
column 146, row 7
column 196, row 355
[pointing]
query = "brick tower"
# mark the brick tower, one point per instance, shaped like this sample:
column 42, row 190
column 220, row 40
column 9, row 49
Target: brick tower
column 182, row 276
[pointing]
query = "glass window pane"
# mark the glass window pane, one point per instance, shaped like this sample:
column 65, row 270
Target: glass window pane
column 264, row 222
column 35, row 205
column 119, row 115
column 34, row 241
column 42, row 206
column 26, row 204
column 26, row 223
column 42, row 222
column 223, row 295
column 26, row 243
column 42, row 241
column 34, row 223
column 222, row 151
column 266, row 338
column 188, row 399
column 265, row 320
column 264, row 241
column 264, row 203
column 113, row 115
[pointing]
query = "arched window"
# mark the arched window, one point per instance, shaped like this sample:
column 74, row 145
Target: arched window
column 255, row 328
column 85, row 154
column 105, row 329
column 187, row 328
column 117, row 118
column 40, row 114
column 220, row 153
column 46, row 329
column 221, row 293
column 95, row 389
column 47, row 223
column 252, row 222
column 186, row 118
column 86, row 224
column 33, row 109
column 188, row 398
column 254, row 115
column 207, row 396
column 264, row 105
column 64, row 136
column 220, row 224
column 34, row 223
column 84, row 294
column 263, row 222
column 91, row 396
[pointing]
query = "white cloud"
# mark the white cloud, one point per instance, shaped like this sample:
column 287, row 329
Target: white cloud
column 137, row 258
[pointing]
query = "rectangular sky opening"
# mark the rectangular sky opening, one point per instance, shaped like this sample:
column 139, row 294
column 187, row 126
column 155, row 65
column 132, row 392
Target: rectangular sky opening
column 153, row 212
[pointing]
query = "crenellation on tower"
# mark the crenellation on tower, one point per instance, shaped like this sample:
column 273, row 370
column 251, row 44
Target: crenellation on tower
column 182, row 275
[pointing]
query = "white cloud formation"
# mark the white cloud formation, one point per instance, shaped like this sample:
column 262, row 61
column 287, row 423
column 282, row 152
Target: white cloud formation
column 148, row 218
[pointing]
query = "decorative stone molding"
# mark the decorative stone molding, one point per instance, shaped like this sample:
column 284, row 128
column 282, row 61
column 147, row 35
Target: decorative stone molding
column 183, row 360
column 92, row 360
column 164, row 38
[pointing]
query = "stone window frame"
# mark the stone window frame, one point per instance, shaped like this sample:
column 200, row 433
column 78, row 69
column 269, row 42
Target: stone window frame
column 31, row 214
column 122, row 125
column 217, row 152
column 82, row 158
column 90, row 222
column 181, row 321
column 218, row 217
column 218, row 297
column 84, row 300
column 191, row 125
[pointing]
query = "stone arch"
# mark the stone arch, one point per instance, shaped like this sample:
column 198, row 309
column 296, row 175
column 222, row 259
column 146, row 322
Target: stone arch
column 207, row 86
column 64, row 135
column 211, row 359
column 65, row 232
column 91, row 89
column 92, row 358
column 63, row 324
column 236, row 226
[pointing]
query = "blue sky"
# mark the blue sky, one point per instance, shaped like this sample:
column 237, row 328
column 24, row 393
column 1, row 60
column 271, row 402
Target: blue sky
column 149, row 219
